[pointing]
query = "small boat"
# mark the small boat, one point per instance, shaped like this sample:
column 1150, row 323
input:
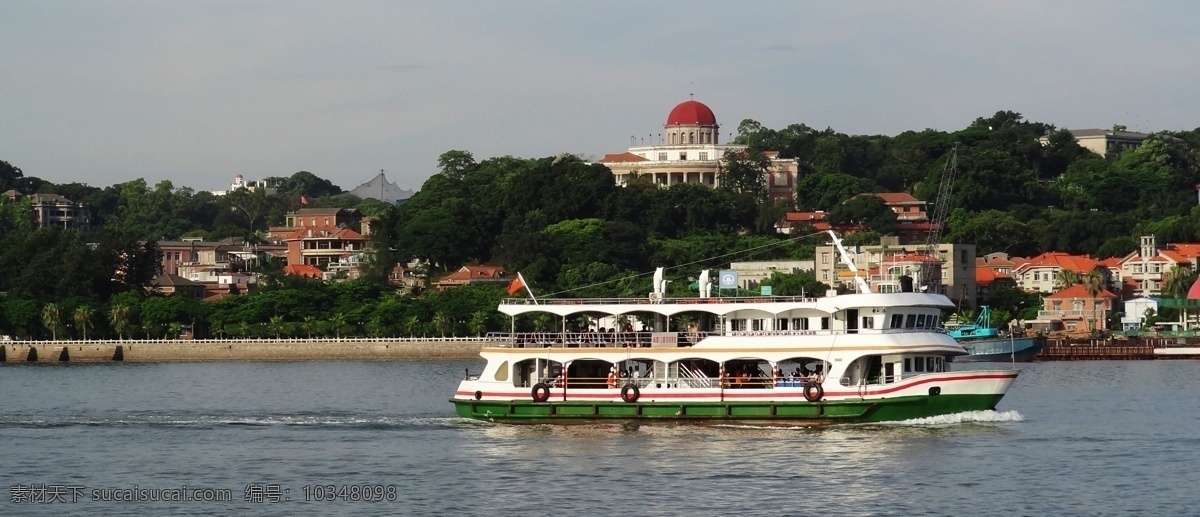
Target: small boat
column 985, row 343
column 769, row 360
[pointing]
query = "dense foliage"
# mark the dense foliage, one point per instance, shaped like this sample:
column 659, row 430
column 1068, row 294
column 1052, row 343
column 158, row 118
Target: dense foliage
column 571, row 231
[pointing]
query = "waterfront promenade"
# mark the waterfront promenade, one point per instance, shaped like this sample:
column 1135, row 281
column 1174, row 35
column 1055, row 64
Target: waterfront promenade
column 164, row 350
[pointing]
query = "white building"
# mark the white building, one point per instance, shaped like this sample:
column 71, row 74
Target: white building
column 689, row 151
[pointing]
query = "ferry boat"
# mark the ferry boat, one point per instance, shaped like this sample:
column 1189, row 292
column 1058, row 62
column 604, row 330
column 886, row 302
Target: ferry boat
column 771, row 360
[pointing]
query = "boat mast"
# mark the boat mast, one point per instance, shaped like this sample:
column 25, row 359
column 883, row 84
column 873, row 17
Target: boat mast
column 859, row 282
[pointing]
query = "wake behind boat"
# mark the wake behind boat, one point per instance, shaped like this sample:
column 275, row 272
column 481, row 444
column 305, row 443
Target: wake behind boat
column 865, row 357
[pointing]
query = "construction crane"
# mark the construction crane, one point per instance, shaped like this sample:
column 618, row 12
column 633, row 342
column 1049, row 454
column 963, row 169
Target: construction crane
column 930, row 280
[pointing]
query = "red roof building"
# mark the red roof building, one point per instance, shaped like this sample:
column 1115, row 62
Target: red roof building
column 467, row 275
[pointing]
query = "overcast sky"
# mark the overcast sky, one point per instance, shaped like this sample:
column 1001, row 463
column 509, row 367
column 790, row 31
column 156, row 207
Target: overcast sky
column 196, row 92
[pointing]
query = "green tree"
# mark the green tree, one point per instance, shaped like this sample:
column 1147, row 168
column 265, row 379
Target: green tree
column 745, row 172
column 337, row 321
column 276, row 324
column 871, row 212
column 51, row 319
column 118, row 317
column 83, row 319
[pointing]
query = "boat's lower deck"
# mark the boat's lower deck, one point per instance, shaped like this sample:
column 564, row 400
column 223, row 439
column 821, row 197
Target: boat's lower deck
column 801, row 413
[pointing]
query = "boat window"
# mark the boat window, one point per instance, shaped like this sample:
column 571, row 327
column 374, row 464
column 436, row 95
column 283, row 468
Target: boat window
column 738, row 325
column 929, row 364
column 920, row 321
column 800, row 323
column 897, row 321
column 911, row 321
column 941, row 364
column 825, row 323
column 868, row 322
column 935, row 322
column 907, row 365
column 757, row 324
column 781, row 324
column 920, row 364
column 502, row 371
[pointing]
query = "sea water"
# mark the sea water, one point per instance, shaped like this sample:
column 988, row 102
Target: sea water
column 381, row 438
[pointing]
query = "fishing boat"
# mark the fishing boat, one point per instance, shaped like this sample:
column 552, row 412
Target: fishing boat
column 985, row 343
column 763, row 360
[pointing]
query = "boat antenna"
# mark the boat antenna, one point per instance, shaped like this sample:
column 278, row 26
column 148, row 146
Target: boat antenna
column 862, row 285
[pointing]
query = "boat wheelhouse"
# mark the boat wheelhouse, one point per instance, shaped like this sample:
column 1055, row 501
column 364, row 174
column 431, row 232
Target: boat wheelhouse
column 773, row 360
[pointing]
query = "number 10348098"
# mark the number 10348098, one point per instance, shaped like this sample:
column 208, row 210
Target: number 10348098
column 350, row 493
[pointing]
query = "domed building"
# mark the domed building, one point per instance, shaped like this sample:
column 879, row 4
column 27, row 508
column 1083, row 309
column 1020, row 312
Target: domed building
column 689, row 151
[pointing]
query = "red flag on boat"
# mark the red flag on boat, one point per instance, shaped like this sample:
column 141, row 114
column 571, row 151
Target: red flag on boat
column 516, row 285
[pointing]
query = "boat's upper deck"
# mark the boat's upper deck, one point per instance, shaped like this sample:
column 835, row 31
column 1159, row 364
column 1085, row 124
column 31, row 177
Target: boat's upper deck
column 720, row 306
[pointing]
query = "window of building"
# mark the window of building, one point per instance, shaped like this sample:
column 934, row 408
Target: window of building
column 683, row 155
column 691, row 138
column 825, row 323
column 662, row 157
column 703, row 157
column 825, row 258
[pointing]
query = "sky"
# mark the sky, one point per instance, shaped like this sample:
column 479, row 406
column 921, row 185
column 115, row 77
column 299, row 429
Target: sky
column 194, row 92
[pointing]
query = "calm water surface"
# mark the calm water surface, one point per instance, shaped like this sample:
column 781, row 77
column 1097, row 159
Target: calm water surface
column 1071, row 438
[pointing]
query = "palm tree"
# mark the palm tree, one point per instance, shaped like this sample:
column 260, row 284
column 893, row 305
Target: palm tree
column 1093, row 282
column 83, row 318
column 623, row 323
column 173, row 330
column 276, row 323
column 118, row 315
column 441, row 321
column 479, row 322
column 1066, row 278
column 51, row 319
column 337, row 322
column 309, row 323
column 411, row 324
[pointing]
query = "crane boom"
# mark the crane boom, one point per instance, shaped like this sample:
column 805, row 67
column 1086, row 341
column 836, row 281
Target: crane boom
column 931, row 278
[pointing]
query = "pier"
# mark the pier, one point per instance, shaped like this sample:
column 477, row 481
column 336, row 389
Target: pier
column 149, row 351
column 1119, row 349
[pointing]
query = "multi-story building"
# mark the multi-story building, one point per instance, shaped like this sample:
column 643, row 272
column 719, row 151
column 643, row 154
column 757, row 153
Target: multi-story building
column 1074, row 310
column 1144, row 271
column 1105, row 142
column 1040, row 273
column 319, row 237
column 689, row 151
column 53, row 210
column 885, row 263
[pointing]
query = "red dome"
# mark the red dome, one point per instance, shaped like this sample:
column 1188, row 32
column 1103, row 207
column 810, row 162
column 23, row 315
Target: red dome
column 690, row 113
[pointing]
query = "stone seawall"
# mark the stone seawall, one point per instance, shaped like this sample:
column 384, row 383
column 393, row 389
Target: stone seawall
column 251, row 350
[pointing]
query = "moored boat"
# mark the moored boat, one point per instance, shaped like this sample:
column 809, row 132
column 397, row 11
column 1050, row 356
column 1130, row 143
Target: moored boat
column 984, row 343
column 776, row 360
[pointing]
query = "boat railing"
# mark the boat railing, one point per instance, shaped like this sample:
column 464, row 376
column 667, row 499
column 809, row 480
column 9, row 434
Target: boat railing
column 694, row 379
column 592, row 339
column 647, row 301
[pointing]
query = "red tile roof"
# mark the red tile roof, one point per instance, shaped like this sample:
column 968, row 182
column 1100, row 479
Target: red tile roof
column 1079, row 291
column 304, row 270
column 621, row 158
column 984, row 276
column 1057, row 259
column 895, row 198
column 468, row 273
